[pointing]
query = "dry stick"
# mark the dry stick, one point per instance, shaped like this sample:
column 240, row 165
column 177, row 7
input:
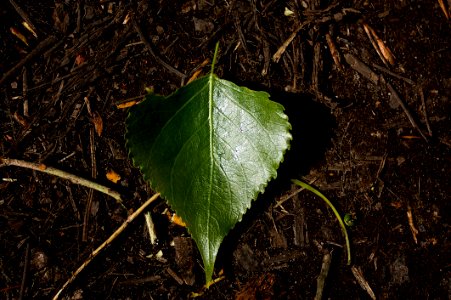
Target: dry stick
column 150, row 49
column 106, row 243
column 60, row 173
column 385, row 70
column 25, row 92
column 25, row 271
column 334, row 51
column 372, row 39
column 84, row 236
column 36, row 51
column 423, row 102
column 24, row 15
column 361, row 67
column 362, row 281
column 288, row 41
column 404, row 107
column 321, row 280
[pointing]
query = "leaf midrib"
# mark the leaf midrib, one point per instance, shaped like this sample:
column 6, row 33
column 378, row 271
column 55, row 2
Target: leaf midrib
column 210, row 127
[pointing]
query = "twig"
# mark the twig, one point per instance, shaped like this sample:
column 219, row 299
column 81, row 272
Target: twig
column 62, row 174
column 445, row 8
column 334, row 51
column 362, row 282
column 157, row 58
column 321, row 280
column 317, row 68
column 151, row 228
column 91, row 192
column 106, row 243
column 361, row 67
column 385, row 70
column 25, row 271
column 370, row 33
column 24, row 15
column 25, row 92
column 287, row 42
column 36, row 51
column 404, row 107
column 412, row 227
column 425, row 114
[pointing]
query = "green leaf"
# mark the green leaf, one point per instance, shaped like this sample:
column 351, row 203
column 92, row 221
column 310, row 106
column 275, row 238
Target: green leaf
column 209, row 149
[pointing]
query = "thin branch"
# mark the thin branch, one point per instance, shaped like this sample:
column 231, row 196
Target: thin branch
column 149, row 48
column 404, row 107
column 24, row 15
column 36, row 51
column 385, row 70
column 62, row 174
column 106, row 243
column 25, row 271
column 425, row 114
column 288, row 41
column 321, row 279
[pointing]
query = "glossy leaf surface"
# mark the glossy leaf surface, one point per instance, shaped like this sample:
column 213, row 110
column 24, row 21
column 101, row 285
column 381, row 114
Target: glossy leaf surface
column 209, row 149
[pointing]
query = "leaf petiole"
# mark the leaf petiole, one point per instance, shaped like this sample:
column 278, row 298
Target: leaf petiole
column 337, row 215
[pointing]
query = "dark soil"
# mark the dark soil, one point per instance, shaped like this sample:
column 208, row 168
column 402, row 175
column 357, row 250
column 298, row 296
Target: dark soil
column 352, row 139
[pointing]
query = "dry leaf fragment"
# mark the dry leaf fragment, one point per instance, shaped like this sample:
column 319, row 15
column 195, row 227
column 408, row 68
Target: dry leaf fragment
column 60, row 17
column 21, row 120
column 19, row 35
column 334, row 52
column 113, row 176
column 98, row 122
column 413, row 229
column 383, row 51
column 126, row 19
column 28, row 27
column 79, row 59
column 177, row 220
column 126, row 104
column 445, row 8
column 194, row 77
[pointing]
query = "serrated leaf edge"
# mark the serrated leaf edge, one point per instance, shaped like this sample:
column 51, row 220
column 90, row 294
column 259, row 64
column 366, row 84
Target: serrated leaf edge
column 258, row 190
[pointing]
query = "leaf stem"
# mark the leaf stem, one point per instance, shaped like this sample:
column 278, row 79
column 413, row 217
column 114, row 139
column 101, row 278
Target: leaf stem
column 337, row 215
column 213, row 63
column 62, row 174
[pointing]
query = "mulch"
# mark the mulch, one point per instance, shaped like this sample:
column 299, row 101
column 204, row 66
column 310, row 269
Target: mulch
column 366, row 86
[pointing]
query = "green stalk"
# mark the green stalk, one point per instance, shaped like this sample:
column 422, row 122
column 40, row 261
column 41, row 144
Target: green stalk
column 337, row 215
column 214, row 58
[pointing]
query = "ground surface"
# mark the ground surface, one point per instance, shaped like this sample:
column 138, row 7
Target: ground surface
column 352, row 139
